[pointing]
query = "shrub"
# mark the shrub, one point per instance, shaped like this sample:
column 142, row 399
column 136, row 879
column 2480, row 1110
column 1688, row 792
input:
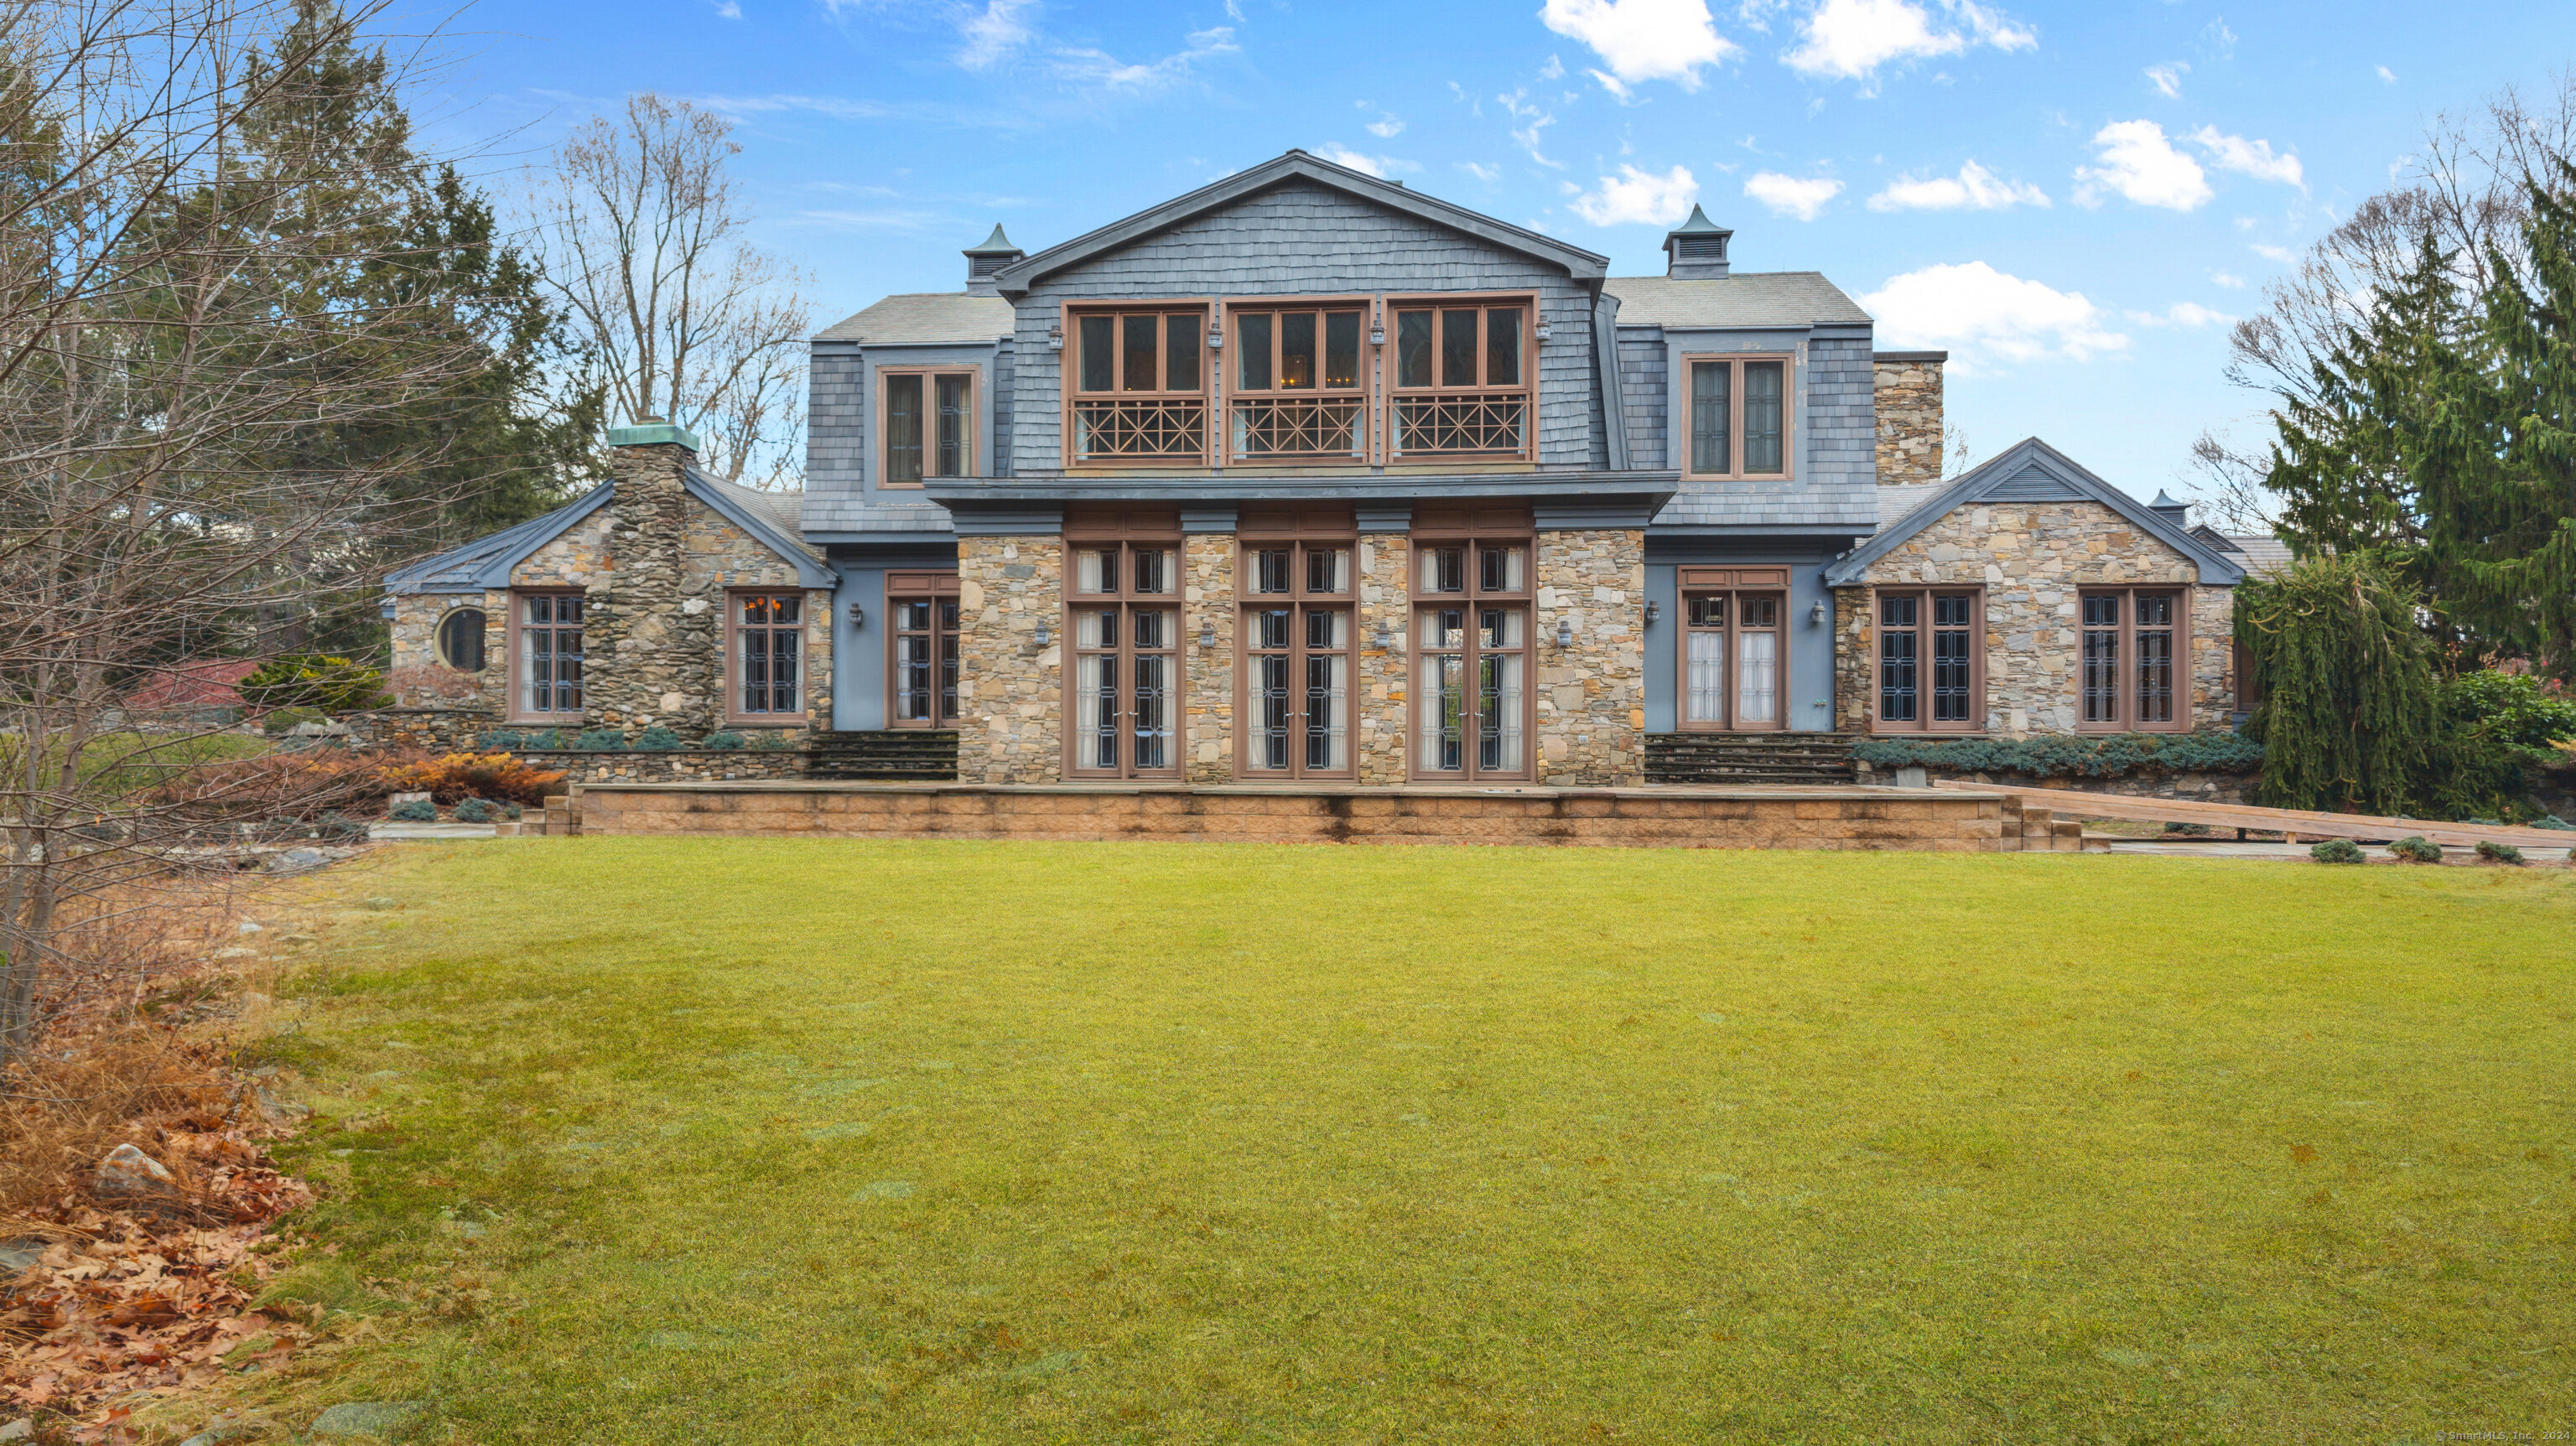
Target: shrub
column 314, row 680
column 339, row 826
column 658, row 740
column 2551, row 820
column 2337, row 851
column 551, row 740
column 414, row 810
column 2418, row 850
column 284, row 720
column 502, row 740
column 773, row 743
column 605, row 740
column 725, row 738
column 2498, row 853
column 2058, row 755
column 513, row 812
column 2189, row 830
column 475, row 810
column 460, row 776
column 2514, row 708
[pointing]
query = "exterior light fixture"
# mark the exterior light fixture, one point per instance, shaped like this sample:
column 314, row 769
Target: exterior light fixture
column 1377, row 333
column 1042, row 635
column 1816, row 614
column 1207, row 635
column 1385, row 640
column 1565, row 632
column 1055, row 336
column 1216, row 337
column 858, row 616
column 1654, row 610
column 1542, row 333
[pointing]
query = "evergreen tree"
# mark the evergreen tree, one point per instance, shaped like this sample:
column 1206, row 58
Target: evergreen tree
column 2350, row 718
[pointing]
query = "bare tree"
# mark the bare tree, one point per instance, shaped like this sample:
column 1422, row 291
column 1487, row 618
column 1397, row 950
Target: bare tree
column 179, row 252
column 2464, row 189
column 644, row 235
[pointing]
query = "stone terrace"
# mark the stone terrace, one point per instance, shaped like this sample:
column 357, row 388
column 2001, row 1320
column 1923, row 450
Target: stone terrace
column 1950, row 820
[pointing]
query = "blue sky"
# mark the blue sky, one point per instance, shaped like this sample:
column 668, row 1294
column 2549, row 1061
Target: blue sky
column 2074, row 199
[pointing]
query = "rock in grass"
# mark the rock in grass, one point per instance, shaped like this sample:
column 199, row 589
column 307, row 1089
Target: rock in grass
column 22, row 1429
column 296, row 861
column 365, row 1418
column 128, row 1172
column 884, row 1190
column 380, row 901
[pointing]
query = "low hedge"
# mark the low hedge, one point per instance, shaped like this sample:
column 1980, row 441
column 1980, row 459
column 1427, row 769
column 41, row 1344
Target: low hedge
column 2059, row 754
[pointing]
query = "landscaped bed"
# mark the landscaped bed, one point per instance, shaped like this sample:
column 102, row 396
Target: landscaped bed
column 790, row 1140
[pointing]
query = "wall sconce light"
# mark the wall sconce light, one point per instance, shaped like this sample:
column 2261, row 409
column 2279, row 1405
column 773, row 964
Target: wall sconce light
column 1216, row 337
column 1042, row 635
column 1565, row 632
column 1055, row 336
column 858, row 616
column 1377, row 333
column 1385, row 639
column 1542, row 333
column 1654, row 610
column 1207, row 635
column 1816, row 614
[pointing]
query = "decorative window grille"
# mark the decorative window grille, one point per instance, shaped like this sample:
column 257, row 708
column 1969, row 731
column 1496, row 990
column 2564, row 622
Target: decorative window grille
column 1139, row 387
column 769, row 653
column 550, row 654
column 1462, row 381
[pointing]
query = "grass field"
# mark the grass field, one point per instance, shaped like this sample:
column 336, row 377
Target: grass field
column 831, row 1141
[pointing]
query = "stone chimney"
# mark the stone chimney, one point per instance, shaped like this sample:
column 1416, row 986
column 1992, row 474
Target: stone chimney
column 982, row 261
column 650, row 630
column 1696, row 251
column 1909, row 416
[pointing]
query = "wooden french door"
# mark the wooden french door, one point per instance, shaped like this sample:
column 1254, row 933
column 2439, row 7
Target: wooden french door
column 1297, row 627
column 1123, row 619
column 1734, row 660
column 924, row 662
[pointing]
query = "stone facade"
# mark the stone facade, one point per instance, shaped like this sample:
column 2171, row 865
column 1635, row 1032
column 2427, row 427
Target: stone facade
column 1380, row 677
column 1208, row 610
column 1010, row 696
column 1592, row 694
column 1909, row 420
column 650, row 635
column 2031, row 558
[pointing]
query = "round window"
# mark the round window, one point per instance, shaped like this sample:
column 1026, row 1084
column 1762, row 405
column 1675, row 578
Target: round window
column 460, row 640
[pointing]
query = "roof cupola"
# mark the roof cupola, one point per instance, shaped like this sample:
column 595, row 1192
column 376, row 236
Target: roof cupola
column 983, row 261
column 1697, row 249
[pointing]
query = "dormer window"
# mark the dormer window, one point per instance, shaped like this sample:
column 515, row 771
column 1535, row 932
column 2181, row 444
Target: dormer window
column 1735, row 418
column 1462, row 378
column 1299, row 385
column 1139, row 386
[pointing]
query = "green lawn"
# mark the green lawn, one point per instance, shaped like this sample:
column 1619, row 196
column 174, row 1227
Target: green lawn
column 830, row 1141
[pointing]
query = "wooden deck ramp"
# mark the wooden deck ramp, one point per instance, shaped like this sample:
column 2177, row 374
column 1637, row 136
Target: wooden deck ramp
column 2298, row 825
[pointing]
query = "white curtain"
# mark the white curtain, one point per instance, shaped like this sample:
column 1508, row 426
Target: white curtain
column 1443, row 711
column 1095, row 709
column 1506, row 720
column 1757, row 697
column 1705, row 697
column 1327, row 715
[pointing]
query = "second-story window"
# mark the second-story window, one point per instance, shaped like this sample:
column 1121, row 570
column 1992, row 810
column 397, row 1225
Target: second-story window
column 1737, row 416
column 929, row 426
column 1299, row 384
column 1139, row 389
column 1462, row 379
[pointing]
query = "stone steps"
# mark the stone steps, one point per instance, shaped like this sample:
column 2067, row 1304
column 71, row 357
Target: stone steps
column 1750, row 758
column 905, row 755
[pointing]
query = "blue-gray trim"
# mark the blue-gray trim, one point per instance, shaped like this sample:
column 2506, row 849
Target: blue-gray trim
column 1385, row 517
column 2032, row 470
column 1605, row 360
column 1808, row 661
column 859, row 650
column 1015, row 279
column 1208, row 519
column 1009, row 517
column 1598, row 487
column 487, row 560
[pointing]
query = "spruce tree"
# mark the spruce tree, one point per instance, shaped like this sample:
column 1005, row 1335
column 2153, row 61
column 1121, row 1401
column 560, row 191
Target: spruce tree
column 2350, row 718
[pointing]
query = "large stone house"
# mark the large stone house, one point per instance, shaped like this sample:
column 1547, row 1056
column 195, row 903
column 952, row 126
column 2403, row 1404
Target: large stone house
column 1306, row 476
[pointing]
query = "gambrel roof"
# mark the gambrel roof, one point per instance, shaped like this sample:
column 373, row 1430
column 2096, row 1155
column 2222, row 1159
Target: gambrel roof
column 487, row 561
column 2032, row 471
column 1016, row 278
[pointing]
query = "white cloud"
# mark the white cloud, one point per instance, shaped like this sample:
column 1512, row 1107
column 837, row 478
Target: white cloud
column 993, row 34
column 2138, row 162
column 2388, row 75
column 2282, row 254
column 2167, row 78
column 1366, row 165
column 1553, row 70
column 1098, row 67
column 1386, row 127
column 1533, row 120
column 1640, row 197
column 1641, row 40
column 1974, row 189
column 1980, row 311
column 2217, row 41
column 1851, row 39
column 1481, row 173
column 2252, row 158
column 2228, row 279
column 2182, row 313
column 1801, row 197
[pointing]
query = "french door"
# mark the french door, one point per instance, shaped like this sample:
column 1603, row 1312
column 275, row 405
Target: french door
column 925, row 662
column 1471, row 623
column 1297, row 630
column 1124, row 623
column 1731, row 662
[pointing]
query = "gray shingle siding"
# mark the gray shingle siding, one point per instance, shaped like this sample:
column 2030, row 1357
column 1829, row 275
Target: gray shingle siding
column 1643, row 395
column 834, row 456
column 1303, row 239
column 1842, row 412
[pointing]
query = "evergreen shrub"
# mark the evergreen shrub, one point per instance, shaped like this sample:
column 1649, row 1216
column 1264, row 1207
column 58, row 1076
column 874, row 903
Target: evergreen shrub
column 723, row 739
column 2498, row 853
column 2417, row 850
column 601, row 740
column 2059, row 754
column 658, row 740
column 414, row 810
column 773, row 743
column 2337, row 851
column 504, row 740
column 314, row 680
column 475, row 810
column 339, row 826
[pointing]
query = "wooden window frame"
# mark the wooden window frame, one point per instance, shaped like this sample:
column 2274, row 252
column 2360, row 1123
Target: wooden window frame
column 735, row 628
column 1735, row 584
column 1924, row 627
column 1128, row 530
column 438, row 652
column 1301, row 532
column 901, row 588
column 1398, row 394
column 521, row 656
column 1475, row 528
column 930, row 373
column 2127, row 722
column 1685, row 412
column 1364, row 395
column 1205, row 395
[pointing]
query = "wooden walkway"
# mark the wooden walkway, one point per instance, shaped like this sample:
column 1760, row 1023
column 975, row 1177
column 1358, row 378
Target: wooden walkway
column 2297, row 824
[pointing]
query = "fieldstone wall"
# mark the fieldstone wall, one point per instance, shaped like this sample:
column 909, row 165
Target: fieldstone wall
column 1208, row 608
column 435, row 729
column 1010, row 726
column 1379, row 675
column 1591, row 695
column 671, row 765
column 650, row 637
column 2032, row 559
column 1909, row 422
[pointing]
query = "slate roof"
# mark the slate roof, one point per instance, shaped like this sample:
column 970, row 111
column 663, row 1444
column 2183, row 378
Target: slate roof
column 1755, row 298
column 1812, row 506
column 772, row 517
column 926, row 316
column 2260, row 554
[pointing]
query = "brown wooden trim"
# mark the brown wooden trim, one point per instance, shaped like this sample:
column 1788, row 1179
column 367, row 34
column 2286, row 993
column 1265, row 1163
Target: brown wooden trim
column 1730, row 691
column 514, row 705
column 1297, row 603
column 1924, row 722
column 929, row 374
column 920, row 584
column 2127, row 722
column 1235, row 392
column 1789, row 413
column 729, row 652
column 1069, row 367
column 1474, row 528
column 1126, row 531
column 1396, row 393
column 1733, row 577
column 936, row 588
